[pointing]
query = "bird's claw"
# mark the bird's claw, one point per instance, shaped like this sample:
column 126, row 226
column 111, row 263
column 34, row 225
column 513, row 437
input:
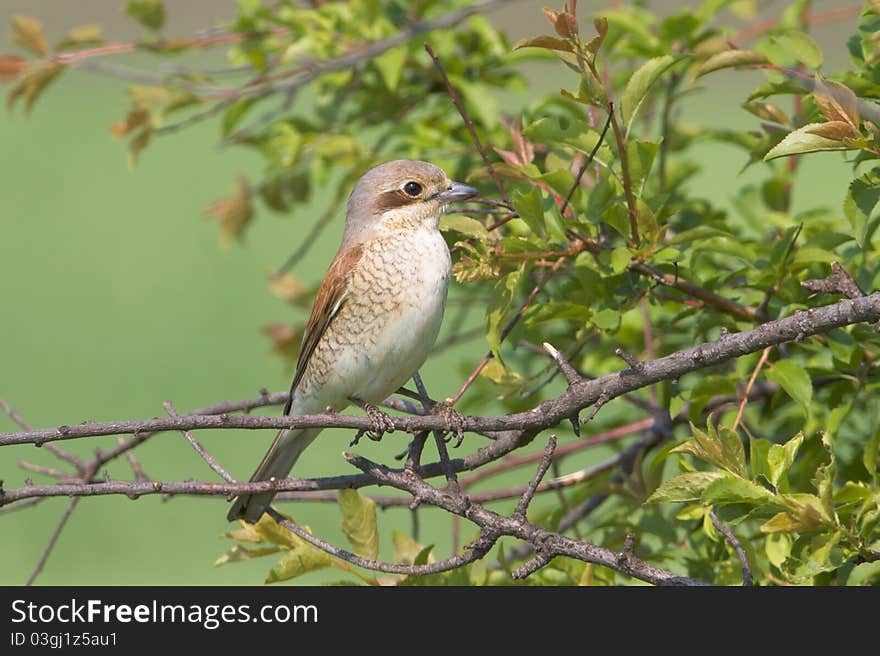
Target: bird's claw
column 454, row 419
column 381, row 422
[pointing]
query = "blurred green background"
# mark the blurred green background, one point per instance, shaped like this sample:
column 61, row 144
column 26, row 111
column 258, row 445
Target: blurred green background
column 117, row 296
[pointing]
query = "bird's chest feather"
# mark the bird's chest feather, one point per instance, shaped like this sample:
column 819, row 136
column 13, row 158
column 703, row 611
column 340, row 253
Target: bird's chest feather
column 410, row 281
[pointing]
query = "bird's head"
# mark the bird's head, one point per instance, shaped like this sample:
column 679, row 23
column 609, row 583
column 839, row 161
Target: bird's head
column 400, row 195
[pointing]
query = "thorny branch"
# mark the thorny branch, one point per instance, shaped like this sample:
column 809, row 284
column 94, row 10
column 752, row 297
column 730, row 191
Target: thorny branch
column 510, row 432
column 584, row 393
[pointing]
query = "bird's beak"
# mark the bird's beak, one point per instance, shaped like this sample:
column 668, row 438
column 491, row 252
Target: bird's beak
column 457, row 191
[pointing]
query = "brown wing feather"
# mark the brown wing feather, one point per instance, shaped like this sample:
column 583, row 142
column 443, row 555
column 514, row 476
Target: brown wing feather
column 328, row 301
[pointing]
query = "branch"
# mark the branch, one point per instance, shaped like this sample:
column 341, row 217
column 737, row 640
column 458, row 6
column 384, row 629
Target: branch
column 839, row 282
column 303, row 75
column 582, row 394
column 475, row 551
column 735, row 543
column 546, row 542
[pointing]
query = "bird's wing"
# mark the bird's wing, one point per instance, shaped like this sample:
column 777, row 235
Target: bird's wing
column 331, row 296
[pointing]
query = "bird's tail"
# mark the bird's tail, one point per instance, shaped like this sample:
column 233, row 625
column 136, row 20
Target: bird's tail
column 277, row 463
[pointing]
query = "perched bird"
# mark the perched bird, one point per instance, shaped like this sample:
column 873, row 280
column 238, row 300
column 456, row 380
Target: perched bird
column 377, row 311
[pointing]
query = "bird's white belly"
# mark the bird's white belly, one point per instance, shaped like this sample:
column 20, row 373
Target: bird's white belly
column 411, row 330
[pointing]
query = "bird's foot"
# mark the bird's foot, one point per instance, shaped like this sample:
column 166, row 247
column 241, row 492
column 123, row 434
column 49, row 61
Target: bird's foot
column 454, row 419
column 381, row 422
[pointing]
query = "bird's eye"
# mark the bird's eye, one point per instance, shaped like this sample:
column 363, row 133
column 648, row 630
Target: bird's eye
column 412, row 189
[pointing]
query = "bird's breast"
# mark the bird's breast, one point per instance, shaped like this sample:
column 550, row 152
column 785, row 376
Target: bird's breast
column 390, row 319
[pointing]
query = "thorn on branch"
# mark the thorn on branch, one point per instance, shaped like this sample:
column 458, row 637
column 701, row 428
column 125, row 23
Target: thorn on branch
column 602, row 400
column 627, row 554
column 839, row 282
column 571, row 374
column 632, row 361
column 207, row 457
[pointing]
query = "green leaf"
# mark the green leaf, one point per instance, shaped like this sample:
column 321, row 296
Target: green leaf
column 149, row 13
column 640, row 155
column 733, row 450
column 499, row 306
column 137, row 145
column 406, row 550
column 559, row 311
column 479, row 99
column 83, row 35
column 464, row 225
column 234, row 114
column 777, row 546
column 592, row 91
column 803, row 140
column 861, row 199
column 359, row 523
column 730, row 59
column 759, row 451
column 530, row 206
column 28, row 33
column 301, row 559
column 782, row 522
column 869, row 457
column 390, row 65
column 544, row 41
column 794, row 379
column 32, row 84
column 732, row 489
column 640, row 83
column 620, row 259
column 865, row 574
column 239, row 554
column 617, row 217
column 499, row 374
column 792, row 45
column 685, row 487
column 565, row 131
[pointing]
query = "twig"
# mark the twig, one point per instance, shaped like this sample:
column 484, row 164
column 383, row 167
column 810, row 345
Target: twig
column 41, row 563
column 303, row 75
column 54, row 449
column 309, row 240
column 478, row 549
column 546, row 542
column 136, row 468
column 207, row 457
column 505, row 331
column 631, row 207
column 839, row 282
column 585, row 165
column 513, row 461
column 691, row 289
column 817, row 18
column 448, row 470
column 527, row 496
column 745, row 399
column 737, row 546
column 469, row 124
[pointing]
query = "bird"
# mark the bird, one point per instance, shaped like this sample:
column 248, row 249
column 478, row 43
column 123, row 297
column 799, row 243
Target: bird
column 377, row 311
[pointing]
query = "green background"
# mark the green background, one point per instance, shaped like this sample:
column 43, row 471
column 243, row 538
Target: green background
column 116, row 296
